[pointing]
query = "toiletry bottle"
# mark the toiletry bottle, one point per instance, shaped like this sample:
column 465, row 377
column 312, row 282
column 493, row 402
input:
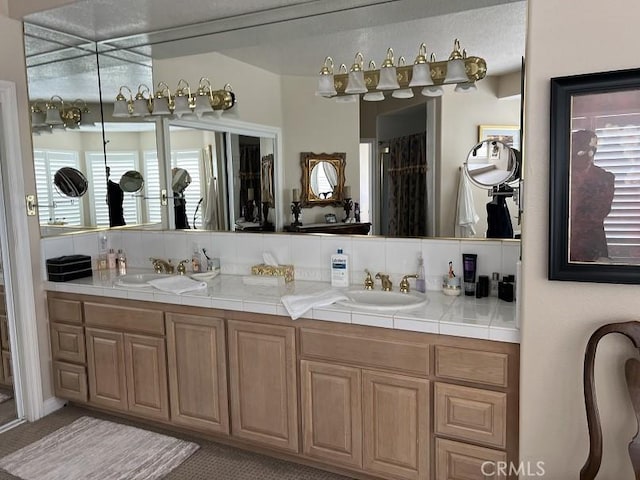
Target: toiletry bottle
column 420, row 280
column 122, row 263
column 111, row 259
column 469, row 266
column 102, row 255
column 339, row 269
column 195, row 260
column 493, row 289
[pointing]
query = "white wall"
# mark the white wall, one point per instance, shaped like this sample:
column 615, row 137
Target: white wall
column 565, row 38
column 319, row 125
column 461, row 116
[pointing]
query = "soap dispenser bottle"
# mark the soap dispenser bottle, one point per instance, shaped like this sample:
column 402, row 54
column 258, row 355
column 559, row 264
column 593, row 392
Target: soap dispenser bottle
column 420, row 279
column 196, row 260
column 339, row 269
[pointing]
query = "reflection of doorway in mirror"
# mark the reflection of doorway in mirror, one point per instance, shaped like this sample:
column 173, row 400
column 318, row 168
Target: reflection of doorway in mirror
column 366, row 163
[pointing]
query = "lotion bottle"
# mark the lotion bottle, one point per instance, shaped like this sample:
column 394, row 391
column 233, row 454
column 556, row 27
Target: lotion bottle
column 339, row 269
column 420, row 280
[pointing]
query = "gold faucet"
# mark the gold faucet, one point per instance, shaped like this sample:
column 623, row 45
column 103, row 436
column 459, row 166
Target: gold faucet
column 387, row 286
column 368, row 282
column 404, row 283
column 161, row 266
column 182, row 270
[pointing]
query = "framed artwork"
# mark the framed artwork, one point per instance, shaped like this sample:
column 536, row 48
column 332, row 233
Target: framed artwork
column 594, row 194
column 507, row 134
column 330, row 218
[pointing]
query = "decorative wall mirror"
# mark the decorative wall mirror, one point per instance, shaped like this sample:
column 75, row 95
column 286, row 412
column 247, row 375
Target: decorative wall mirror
column 491, row 163
column 322, row 178
column 131, row 181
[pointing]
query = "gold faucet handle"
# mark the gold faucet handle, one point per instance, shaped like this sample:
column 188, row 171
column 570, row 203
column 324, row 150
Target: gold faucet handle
column 386, row 283
column 368, row 281
column 404, row 283
column 157, row 266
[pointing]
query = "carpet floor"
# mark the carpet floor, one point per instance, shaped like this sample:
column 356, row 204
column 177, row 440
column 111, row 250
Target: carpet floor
column 211, row 461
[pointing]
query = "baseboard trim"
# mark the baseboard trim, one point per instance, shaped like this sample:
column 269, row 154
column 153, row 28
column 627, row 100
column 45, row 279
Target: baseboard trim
column 52, row 404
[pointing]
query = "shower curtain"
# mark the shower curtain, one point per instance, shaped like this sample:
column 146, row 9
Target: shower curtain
column 407, row 175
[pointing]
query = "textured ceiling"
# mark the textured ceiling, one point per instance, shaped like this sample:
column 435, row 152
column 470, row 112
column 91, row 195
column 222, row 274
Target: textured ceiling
column 289, row 37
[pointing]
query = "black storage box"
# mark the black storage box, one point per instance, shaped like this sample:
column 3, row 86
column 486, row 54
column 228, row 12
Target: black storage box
column 68, row 267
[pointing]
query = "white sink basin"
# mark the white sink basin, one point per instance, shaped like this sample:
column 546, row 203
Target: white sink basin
column 138, row 280
column 379, row 301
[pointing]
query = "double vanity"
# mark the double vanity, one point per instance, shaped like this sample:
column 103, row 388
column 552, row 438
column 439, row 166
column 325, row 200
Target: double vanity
column 373, row 394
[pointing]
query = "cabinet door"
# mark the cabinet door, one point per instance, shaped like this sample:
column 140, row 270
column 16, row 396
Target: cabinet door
column 4, row 333
column 459, row 461
column 396, row 425
column 67, row 343
column 70, row 381
column 262, row 370
column 146, row 372
column 7, row 370
column 197, row 372
column 331, row 412
column 106, row 372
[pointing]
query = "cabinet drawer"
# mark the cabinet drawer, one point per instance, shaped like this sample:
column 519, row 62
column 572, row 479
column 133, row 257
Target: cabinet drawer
column 67, row 343
column 471, row 414
column 117, row 317
column 65, row 311
column 459, row 461
column 490, row 368
column 387, row 353
column 70, row 381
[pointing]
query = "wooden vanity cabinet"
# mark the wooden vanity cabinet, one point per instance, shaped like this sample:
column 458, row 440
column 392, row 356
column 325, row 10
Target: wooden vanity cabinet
column 263, row 384
column 197, row 364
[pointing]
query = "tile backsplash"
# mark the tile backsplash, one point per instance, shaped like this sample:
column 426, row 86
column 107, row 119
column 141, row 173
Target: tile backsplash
column 308, row 253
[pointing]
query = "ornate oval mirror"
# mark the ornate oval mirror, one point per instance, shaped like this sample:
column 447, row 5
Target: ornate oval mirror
column 131, row 181
column 492, row 163
column 322, row 178
column 70, row 182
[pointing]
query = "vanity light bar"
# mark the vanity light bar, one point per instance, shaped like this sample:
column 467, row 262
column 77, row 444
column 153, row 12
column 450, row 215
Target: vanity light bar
column 400, row 79
column 180, row 102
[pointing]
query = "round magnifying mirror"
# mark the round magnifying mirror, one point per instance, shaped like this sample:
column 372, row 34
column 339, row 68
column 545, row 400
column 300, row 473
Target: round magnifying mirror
column 181, row 180
column 70, row 182
column 323, row 177
column 131, row 181
column 492, row 163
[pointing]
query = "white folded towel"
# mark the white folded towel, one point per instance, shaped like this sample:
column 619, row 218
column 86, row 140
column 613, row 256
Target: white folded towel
column 177, row 284
column 298, row 305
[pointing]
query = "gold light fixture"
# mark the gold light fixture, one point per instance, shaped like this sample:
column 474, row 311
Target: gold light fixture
column 55, row 113
column 459, row 69
column 180, row 102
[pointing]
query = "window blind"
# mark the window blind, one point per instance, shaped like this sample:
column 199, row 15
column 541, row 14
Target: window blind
column 190, row 161
column 151, row 176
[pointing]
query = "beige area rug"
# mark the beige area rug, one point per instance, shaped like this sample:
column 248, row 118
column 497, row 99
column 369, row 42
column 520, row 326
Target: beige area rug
column 90, row 448
column 4, row 397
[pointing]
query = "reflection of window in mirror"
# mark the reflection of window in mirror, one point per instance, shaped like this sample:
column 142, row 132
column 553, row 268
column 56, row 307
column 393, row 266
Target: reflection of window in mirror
column 366, row 164
column 53, row 208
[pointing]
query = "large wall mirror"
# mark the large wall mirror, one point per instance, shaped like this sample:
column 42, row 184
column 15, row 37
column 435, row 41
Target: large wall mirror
column 274, row 80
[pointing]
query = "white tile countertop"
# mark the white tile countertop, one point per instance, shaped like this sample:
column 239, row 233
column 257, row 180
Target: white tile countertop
column 485, row 318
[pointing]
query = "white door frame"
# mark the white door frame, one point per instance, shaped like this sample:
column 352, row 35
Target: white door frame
column 14, row 236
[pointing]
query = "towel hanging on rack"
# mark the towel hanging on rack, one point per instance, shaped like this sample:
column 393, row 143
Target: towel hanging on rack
column 466, row 215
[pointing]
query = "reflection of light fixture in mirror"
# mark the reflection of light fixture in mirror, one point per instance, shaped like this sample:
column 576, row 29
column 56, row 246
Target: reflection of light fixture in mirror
column 121, row 107
column 142, row 104
column 402, row 92
column 466, row 87
column 204, row 98
column 456, row 70
column 83, row 111
column 326, row 87
column 421, row 71
column 388, row 78
column 184, row 102
column 53, row 112
column 432, row 91
column 162, row 103
column 38, row 116
column 356, row 82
